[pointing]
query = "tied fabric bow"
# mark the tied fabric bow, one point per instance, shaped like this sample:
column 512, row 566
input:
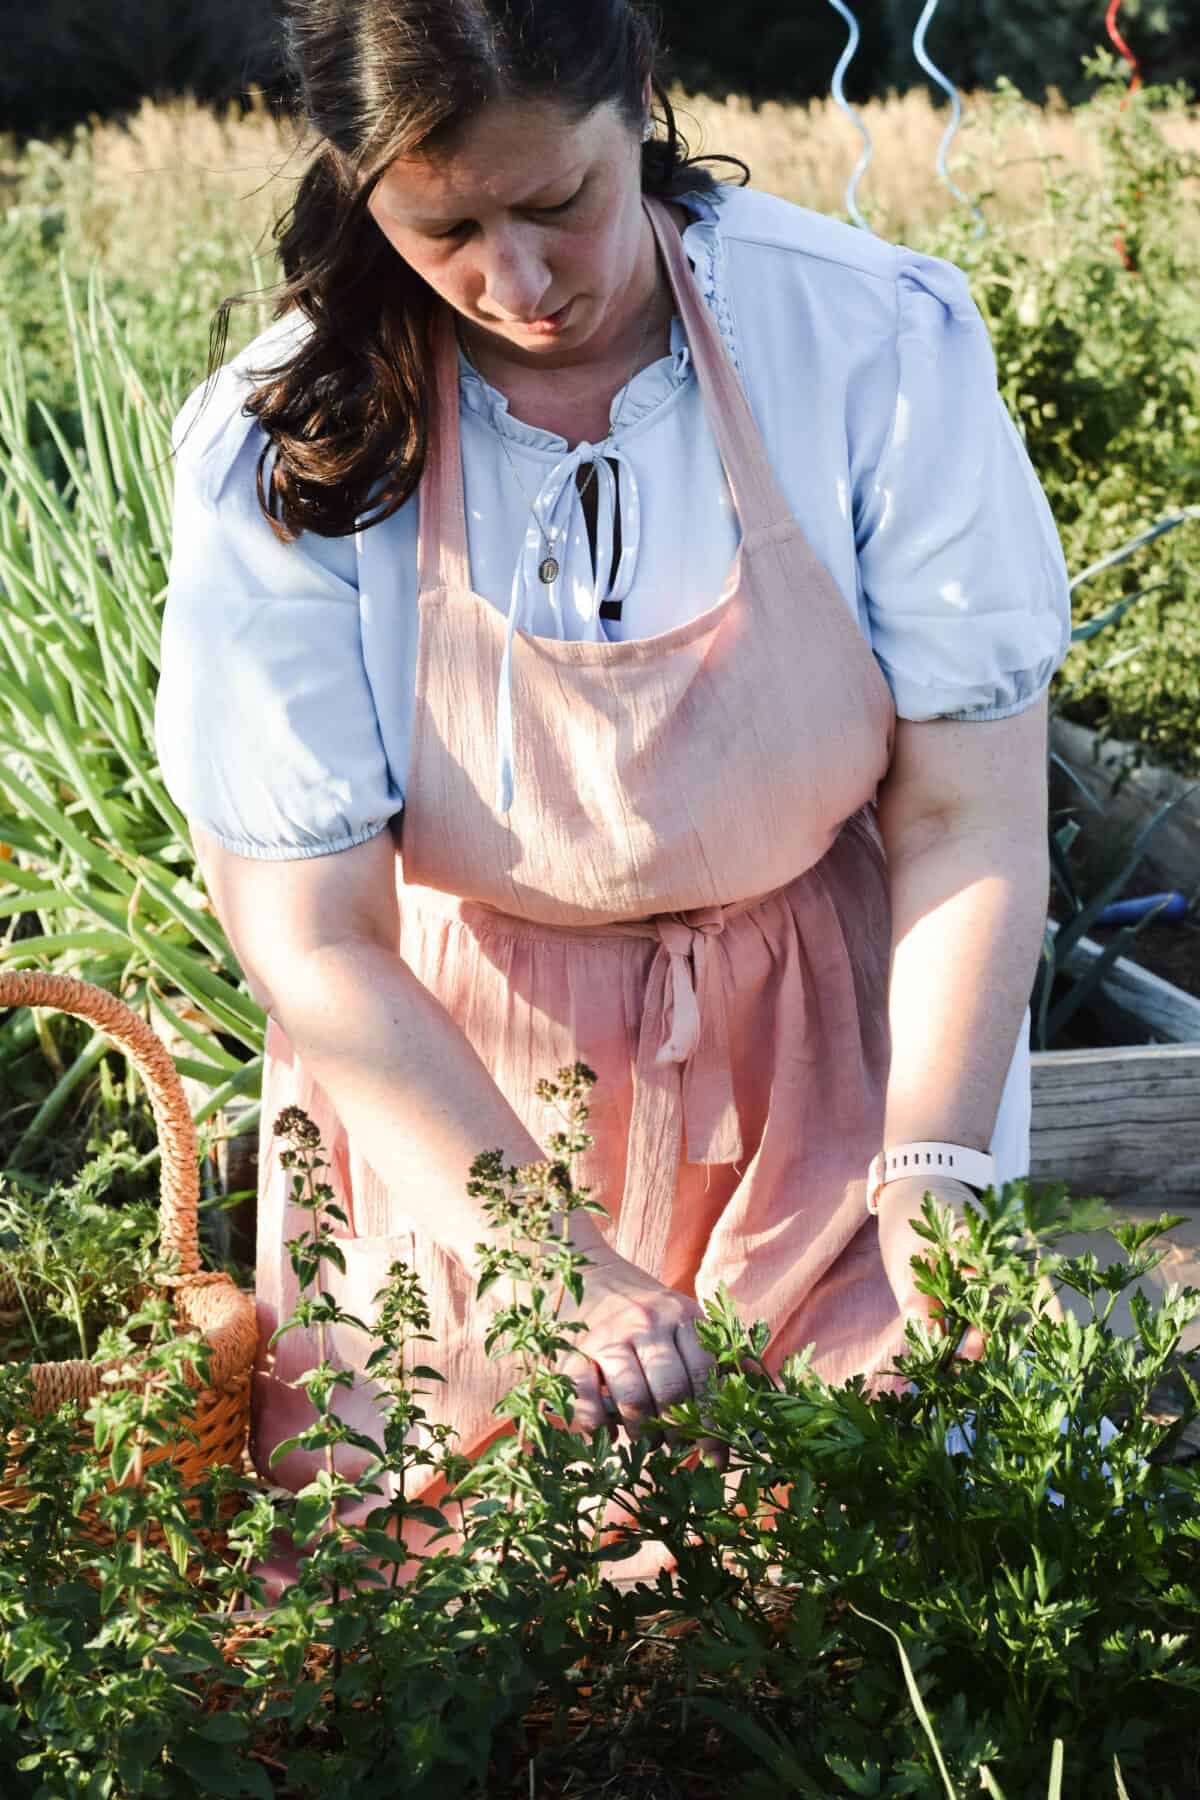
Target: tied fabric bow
column 683, row 1082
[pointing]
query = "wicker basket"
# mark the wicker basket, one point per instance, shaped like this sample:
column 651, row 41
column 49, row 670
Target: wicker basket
column 204, row 1302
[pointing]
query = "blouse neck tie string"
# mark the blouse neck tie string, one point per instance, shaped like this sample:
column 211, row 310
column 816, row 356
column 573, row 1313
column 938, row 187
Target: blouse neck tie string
column 557, row 517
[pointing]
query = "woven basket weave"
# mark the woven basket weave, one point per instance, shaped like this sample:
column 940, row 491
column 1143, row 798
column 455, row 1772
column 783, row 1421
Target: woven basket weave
column 205, row 1303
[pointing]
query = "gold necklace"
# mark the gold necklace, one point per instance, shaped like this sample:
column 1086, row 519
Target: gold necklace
column 549, row 569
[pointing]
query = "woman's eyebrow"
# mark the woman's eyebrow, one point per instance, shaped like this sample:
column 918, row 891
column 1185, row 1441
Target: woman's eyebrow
column 516, row 205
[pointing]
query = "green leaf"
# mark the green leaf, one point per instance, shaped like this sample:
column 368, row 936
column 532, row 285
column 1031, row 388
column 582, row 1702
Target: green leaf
column 774, row 1753
column 217, row 1770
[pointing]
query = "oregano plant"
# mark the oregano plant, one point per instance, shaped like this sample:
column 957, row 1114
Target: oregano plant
column 981, row 1579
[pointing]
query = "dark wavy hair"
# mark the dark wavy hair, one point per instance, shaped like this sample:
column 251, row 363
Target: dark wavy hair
column 375, row 80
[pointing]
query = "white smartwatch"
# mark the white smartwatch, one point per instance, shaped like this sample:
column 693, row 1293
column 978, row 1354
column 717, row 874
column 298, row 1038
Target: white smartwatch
column 973, row 1167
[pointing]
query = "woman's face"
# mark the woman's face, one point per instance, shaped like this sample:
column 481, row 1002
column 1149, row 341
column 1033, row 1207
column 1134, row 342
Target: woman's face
column 531, row 228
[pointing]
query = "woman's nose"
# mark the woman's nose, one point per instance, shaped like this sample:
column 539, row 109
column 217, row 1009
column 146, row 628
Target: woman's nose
column 515, row 277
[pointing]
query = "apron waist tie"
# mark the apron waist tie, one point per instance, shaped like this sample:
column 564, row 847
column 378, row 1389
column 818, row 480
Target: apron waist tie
column 682, row 1079
column 683, row 1097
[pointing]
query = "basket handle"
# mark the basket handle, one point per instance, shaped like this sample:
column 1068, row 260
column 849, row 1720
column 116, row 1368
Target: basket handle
column 180, row 1186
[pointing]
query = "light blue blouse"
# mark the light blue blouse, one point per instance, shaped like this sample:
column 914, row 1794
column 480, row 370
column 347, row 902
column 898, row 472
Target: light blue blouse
column 285, row 704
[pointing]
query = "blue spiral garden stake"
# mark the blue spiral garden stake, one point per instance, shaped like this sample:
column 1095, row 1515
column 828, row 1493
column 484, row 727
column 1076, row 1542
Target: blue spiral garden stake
column 947, row 86
column 839, row 94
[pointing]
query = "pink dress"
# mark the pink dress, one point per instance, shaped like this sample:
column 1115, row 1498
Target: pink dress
column 689, row 894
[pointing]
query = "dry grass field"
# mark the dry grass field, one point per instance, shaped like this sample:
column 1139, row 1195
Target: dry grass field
column 179, row 176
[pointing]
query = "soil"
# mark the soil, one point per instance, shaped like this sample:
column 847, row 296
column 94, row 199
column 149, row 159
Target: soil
column 1169, row 951
column 1172, row 952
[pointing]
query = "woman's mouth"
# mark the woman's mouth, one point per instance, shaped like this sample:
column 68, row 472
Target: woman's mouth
column 551, row 324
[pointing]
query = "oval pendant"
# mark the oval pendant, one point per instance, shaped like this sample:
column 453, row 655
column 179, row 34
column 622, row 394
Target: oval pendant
column 548, row 571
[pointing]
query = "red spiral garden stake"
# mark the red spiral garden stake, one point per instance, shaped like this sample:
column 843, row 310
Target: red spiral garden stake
column 1110, row 24
column 1115, row 38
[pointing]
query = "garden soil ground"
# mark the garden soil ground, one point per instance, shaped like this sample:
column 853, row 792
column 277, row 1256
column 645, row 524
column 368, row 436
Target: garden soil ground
column 1170, row 951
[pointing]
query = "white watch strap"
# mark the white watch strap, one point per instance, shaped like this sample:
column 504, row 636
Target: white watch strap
column 929, row 1158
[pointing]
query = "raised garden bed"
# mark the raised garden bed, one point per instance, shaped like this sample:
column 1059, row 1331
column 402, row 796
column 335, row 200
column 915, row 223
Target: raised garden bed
column 1119, row 1122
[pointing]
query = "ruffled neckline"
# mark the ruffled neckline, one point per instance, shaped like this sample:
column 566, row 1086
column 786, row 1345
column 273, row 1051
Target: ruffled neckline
column 650, row 389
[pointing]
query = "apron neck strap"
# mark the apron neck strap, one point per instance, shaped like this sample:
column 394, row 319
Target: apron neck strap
column 443, row 558
column 752, row 482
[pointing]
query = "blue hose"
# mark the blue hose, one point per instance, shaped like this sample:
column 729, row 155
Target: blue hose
column 1170, row 908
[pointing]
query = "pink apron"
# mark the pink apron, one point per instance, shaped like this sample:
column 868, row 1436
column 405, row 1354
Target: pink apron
column 689, row 894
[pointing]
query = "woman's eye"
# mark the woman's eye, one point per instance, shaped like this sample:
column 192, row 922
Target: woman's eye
column 536, row 212
column 550, row 212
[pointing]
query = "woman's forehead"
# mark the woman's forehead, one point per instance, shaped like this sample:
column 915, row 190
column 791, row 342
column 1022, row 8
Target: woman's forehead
column 507, row 154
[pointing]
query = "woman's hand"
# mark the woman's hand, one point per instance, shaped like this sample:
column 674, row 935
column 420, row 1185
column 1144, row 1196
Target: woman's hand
column 641, row 1339
column 899, row 1205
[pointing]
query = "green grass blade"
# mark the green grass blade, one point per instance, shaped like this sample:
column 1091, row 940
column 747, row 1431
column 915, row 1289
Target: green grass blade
column 13, row 875
column 53, row 820
column 44, row 899
column 247, row 1081
column 59, row 1094
column 35, row 949
column 1056, row 1771
column 914, row 1694
column 85, row 399
column 1112, row 615
column 200, row 1040
column 89, row 791
column 229, row 1010
column 1182, row 517
column 204, row 928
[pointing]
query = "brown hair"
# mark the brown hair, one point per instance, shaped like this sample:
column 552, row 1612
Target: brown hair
column 378, row 79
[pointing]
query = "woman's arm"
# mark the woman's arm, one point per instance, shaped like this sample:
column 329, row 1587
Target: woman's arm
column 963, row 814
column 318, row 939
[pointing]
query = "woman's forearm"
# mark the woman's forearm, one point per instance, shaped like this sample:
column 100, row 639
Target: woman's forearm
column 968, row 916
column 417, row 1102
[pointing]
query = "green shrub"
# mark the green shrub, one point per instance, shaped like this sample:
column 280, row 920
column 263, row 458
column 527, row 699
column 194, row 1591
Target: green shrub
column 860, row 1607
column 77, row 1256
column 1100, row 365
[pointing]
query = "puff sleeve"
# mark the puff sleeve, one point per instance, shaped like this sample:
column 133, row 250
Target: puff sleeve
column 962, row 572
column 265, row 725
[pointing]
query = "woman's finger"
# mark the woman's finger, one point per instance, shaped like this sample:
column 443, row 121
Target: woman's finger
column 696, row 1362
column 588, row 1413
column 626, row 1382
column 668, row 1376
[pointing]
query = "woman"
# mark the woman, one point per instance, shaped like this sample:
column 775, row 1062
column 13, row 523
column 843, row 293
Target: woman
column 694, row 664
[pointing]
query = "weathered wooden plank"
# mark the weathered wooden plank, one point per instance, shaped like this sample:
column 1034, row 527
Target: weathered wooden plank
column 1164, row 1009
column 1119, row 1122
